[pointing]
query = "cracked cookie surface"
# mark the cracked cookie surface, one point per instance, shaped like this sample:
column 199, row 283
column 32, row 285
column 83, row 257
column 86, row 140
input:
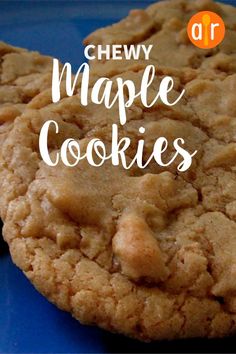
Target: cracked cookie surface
column 23, row 75
column 148, row 253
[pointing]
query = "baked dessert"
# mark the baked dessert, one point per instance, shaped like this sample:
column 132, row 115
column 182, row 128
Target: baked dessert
column 149, row 253
column 23, row 75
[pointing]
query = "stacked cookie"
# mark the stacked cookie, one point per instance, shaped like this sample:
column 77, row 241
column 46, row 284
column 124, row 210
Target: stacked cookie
column 145, row 252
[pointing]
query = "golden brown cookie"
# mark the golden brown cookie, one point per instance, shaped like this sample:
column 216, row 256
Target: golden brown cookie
column 148, row 253
column 23, row 75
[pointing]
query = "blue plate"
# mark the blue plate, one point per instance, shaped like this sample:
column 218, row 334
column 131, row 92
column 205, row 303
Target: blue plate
column 28, row 322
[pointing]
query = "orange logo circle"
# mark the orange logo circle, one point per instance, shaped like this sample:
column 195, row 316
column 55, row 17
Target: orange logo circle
column 206, row 29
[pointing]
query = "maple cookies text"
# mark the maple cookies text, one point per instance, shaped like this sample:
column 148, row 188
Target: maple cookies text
column 110, row 92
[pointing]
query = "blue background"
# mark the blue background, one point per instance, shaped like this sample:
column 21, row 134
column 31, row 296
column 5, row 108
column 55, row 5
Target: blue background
column 28, row 322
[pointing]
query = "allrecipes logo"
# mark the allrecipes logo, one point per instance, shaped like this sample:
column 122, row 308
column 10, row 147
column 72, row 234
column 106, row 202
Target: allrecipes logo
column 206, row 29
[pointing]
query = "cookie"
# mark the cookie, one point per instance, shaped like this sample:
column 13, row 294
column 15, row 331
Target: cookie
column 149, row 253
column 164, row 25
column 23, row 75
